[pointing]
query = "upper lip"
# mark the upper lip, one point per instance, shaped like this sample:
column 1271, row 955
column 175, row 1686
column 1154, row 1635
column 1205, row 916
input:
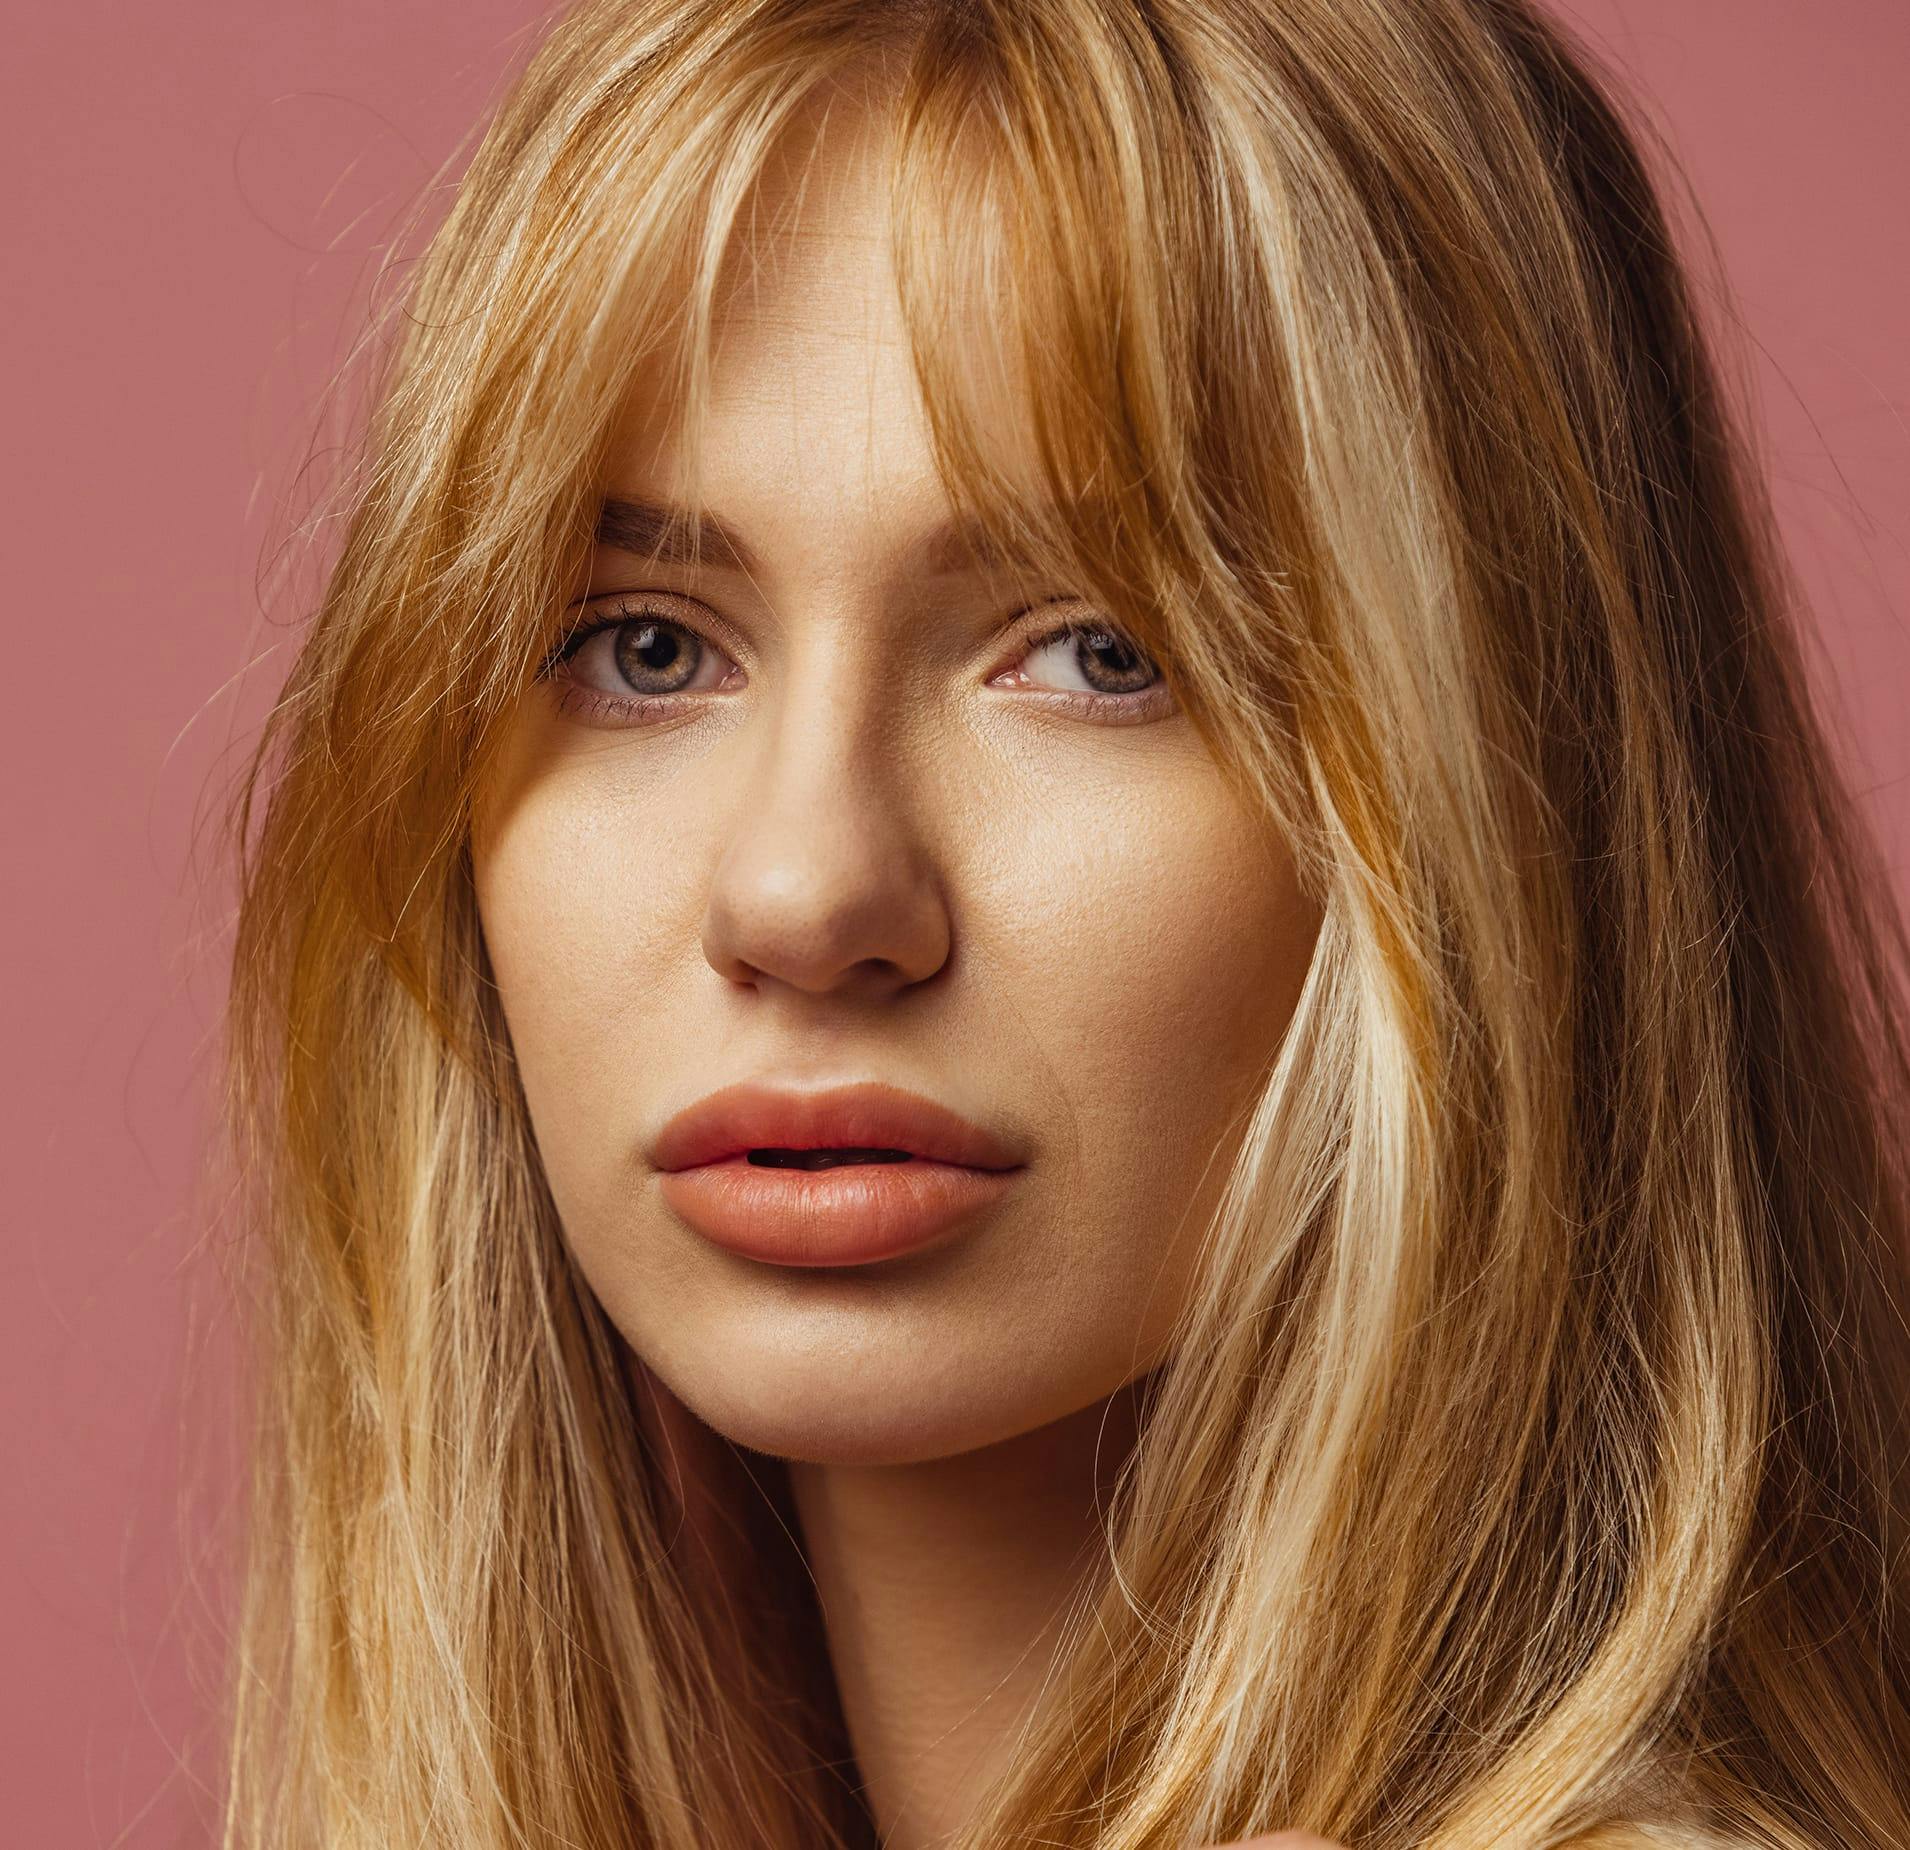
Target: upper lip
column 753, row 1116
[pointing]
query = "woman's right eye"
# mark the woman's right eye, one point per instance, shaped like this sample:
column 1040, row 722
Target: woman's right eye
column 630, row 661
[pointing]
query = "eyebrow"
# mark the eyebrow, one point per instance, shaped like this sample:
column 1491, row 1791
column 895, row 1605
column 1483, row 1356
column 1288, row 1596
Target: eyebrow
column 666, row 534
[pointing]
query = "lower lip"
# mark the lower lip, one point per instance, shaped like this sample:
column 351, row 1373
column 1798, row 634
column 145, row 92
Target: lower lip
column 849, row 1214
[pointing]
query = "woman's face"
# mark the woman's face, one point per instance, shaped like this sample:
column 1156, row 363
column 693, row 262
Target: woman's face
column 872, row 825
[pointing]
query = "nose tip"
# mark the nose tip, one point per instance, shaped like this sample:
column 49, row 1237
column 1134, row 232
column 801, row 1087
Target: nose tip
column 827, row 888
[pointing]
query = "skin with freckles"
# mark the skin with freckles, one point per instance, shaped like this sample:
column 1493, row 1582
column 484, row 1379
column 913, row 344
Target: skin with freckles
column 881, row 835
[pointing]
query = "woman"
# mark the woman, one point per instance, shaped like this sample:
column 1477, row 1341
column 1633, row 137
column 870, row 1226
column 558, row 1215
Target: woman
column 1055, row 1020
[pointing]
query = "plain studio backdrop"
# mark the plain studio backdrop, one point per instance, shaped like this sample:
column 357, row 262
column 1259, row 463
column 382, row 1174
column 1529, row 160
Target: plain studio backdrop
column 197, row 198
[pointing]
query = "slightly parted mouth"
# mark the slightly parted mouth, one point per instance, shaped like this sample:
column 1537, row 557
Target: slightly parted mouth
column 832, row 1158
column 777, row 1127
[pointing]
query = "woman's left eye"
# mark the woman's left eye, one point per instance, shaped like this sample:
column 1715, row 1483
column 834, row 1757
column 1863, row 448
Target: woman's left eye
column 626, row 664
column 1097, row 658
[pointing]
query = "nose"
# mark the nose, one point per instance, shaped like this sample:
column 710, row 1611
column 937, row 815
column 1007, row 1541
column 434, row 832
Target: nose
column 825, row 884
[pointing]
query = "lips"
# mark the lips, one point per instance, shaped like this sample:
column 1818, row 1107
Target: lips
column 843, row 1177
column 869, row 1117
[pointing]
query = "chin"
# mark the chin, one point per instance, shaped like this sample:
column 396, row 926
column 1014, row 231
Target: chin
column 835, row 1407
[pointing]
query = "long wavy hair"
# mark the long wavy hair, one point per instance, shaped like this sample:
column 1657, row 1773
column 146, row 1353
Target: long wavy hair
column 1528, row 1468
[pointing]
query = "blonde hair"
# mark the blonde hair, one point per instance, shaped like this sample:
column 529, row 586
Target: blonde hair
column 1527, row 1470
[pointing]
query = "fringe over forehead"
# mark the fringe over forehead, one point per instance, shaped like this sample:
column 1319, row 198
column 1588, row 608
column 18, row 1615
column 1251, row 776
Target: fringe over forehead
column 1307, row 398
column 1083, row 233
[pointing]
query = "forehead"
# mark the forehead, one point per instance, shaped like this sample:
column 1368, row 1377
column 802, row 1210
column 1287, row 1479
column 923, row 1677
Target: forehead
column 813, row 407
column 675, row 533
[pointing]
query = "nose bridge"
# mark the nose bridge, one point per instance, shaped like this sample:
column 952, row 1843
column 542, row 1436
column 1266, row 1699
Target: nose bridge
column 825, row 878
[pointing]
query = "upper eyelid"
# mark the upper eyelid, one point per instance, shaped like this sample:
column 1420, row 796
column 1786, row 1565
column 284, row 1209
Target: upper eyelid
column 587, row 618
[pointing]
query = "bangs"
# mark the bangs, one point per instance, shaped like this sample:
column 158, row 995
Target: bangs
column 1085, row 258
column 1028, row 264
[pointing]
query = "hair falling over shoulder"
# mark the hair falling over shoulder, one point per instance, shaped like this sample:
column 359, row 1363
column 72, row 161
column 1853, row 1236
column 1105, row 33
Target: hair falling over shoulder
column 1531, row 1472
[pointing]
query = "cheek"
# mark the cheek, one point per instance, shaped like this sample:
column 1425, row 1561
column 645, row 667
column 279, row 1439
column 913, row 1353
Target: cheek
column 1162, row 924
column 1165, row 947
column 588, row 903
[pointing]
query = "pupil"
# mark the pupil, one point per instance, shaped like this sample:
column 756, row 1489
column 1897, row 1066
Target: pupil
column 653, row 657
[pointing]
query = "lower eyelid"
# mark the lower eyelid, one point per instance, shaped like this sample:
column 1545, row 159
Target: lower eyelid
column 1114, row 709
column 575, row 700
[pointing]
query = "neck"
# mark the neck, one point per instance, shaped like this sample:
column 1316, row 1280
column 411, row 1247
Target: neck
column 942, row 1586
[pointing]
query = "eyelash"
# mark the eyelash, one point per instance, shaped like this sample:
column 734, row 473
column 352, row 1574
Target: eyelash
column 639, row 709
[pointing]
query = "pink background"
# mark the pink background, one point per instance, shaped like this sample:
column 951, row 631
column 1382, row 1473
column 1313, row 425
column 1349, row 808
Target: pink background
column 196, row 194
